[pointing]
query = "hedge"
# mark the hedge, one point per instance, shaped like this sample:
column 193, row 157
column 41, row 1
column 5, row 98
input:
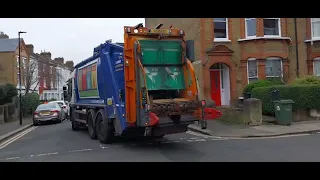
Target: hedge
column 261, row 83
column 304, row 96
column 29, row 102
column 7, row 92
column 311, row 80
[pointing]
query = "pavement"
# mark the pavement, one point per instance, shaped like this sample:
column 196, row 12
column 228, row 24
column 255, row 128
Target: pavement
column 58, row 143
column 13, row 127
column 227, row 129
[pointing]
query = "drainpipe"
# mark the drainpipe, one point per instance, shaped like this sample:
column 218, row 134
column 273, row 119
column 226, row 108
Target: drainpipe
column 297, row 49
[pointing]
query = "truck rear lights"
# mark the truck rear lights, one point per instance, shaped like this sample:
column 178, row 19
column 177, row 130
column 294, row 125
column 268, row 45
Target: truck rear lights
column 153, row 119
column 203, row 103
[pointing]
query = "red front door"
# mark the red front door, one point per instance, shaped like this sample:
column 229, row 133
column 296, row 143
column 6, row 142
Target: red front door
column 215, row 87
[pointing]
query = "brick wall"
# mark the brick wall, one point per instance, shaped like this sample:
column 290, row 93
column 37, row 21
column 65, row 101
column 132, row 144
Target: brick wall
column 238, row 49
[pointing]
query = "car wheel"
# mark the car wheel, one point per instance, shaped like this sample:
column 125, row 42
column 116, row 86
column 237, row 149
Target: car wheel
column 35, row 123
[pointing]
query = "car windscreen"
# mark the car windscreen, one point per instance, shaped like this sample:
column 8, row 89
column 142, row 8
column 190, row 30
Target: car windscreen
column 46, row 106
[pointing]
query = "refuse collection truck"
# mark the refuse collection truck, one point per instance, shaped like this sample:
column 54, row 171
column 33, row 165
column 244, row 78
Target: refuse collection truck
column 145, row 86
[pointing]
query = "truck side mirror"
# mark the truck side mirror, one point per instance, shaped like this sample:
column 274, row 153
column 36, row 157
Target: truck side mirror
column 190, row 50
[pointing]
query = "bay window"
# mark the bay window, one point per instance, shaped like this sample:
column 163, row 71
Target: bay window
column 274, row 68
column 271, row 27
column 252, row 69
column 251, row 27
column 315, row 28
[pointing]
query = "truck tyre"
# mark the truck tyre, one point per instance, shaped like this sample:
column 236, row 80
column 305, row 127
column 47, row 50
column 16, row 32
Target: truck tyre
column 105, row 130
column 74, row 124
column 91, row 128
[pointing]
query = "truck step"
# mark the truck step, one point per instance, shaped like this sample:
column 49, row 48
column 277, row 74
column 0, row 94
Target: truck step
column 80, row 112
column 80, row 120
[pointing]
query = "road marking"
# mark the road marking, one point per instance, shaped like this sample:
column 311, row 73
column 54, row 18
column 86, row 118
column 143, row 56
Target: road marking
column 16, row 137
column 103, row 147
column 80, row 150
column 198, row 134
column 41, row 155
column 271, row 137
column 11, row 158
column 205, row 136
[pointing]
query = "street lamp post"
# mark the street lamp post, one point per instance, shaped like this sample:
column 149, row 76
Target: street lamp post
column 20, row 111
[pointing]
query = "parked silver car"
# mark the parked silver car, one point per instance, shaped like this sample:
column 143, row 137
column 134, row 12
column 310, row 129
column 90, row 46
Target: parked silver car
column 48, row 112
column 63, row 105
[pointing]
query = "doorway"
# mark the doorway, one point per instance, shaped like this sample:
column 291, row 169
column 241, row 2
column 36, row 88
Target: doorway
column 220, row 84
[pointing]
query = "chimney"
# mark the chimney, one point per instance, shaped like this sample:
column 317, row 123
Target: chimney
column 30, row 48
column 47, row 55
column 3, row 36
column 59, row 60
column 70, row 64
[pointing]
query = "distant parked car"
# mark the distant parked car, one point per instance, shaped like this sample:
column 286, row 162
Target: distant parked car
column 63, row 105
column 48, row 112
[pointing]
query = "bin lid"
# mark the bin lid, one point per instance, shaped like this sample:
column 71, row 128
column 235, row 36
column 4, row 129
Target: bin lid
column 286, row 101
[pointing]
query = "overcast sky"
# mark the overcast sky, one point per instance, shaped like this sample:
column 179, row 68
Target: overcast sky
column 73, row 39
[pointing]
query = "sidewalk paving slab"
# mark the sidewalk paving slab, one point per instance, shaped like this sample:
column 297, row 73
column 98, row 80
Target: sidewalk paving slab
column 9, row 129
column 224, row 129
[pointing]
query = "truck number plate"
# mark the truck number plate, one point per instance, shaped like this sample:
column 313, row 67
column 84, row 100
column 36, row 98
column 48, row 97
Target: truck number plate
column 160, row 31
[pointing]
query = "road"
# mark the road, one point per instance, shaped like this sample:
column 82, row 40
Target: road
column 58, row 143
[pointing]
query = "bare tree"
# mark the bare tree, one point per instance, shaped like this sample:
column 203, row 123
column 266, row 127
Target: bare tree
column 32, row 77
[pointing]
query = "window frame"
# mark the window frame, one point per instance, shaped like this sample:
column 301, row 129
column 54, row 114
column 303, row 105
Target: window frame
column 311, row 22
column 227, row 31
column 281, row 64
column 246, row 27
column 279, row 27
column 317, row 59
column 44, row 82
column 24, row 61
column 248, row 78
column 17, row 61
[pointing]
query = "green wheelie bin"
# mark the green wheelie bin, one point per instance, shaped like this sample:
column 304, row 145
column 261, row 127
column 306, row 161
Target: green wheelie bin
column 283, row 111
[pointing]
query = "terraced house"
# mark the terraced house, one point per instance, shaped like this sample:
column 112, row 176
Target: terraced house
column 9, row 60
column 232, row 52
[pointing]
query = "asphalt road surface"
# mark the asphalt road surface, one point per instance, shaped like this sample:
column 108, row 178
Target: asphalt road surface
column 58, row 143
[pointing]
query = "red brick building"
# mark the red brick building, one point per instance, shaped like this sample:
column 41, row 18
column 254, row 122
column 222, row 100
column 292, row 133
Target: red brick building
column 232, row 52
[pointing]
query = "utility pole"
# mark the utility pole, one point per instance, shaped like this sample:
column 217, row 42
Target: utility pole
column 20, row 100
column 58, row 84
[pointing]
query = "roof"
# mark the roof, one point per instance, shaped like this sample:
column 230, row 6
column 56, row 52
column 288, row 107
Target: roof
column 9, row 45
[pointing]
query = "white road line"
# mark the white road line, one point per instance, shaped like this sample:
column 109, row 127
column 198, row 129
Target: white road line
column 45, row 154
column 11, row 158
column 16, row 137
column 203, row 136
column 80, row 150
column 271, row 137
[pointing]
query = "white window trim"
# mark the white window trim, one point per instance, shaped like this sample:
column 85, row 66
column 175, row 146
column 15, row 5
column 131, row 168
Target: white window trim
column 279, row 25
column 315, row 60
column 312, row 21
column 24, row 63
column 44, row 82
column 17, row 61
column 252, row 59
column 276, row 58
column 246, row 27
column 227, row 33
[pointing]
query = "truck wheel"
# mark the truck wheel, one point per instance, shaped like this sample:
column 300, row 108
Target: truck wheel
column 91, row 128
column 104, row 129
column 74, row 124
